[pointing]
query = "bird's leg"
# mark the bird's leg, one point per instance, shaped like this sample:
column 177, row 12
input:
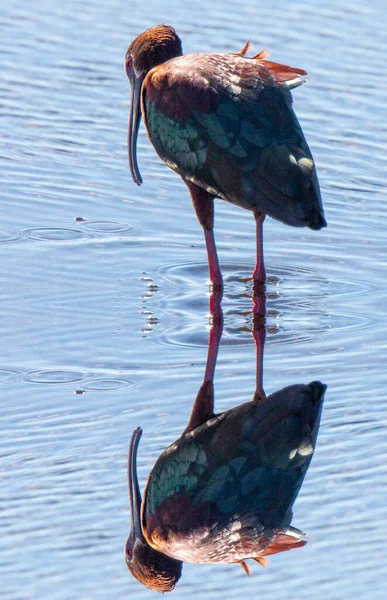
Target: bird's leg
column 204, row 206
column 203, row 408
column 259, row 335
column 259, row 275
column 213, row 263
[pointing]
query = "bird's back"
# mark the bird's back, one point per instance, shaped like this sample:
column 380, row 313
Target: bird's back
column 225, row 122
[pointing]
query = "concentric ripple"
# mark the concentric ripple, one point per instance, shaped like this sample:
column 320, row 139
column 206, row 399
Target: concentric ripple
column 301, row 304
column 106, row 227
column 100, row 385
column 53, row 377
column 53, row 234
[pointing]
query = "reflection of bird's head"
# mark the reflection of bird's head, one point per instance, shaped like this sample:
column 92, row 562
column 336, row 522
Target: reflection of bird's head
column 154, row 569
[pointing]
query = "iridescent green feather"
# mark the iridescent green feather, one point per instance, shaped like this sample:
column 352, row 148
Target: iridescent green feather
column 173, row 476
column 176, row 143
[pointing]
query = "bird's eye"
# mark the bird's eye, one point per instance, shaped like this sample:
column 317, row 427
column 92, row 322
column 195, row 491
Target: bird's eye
column 128, row 64
column 129, row 550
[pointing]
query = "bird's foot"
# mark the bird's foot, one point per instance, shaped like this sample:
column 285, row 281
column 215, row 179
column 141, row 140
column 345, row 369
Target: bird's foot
column 216, row 311
column 216, row 288
column 259, row 280
column 259, row 290
column 259, row 309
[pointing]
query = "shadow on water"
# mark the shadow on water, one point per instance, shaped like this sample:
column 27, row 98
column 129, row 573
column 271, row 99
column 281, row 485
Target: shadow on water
column 223, row 491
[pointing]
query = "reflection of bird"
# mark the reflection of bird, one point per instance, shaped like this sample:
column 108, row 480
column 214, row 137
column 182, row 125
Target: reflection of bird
column 225, row 123
column 223, row 492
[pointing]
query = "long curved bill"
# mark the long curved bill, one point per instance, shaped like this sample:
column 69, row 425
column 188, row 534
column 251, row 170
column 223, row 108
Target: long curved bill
column 133, row 487
column 134, row 123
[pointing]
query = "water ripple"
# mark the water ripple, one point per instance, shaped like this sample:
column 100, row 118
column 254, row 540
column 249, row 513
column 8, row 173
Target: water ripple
column 301, row 304
column 8, row 236
column 78, row 313
column 103, row 384
column 7, row 375
column 53, row 234
column 106, row 227
column 53, row 377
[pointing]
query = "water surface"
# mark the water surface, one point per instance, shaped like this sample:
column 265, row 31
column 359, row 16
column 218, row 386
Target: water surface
column 104, row 297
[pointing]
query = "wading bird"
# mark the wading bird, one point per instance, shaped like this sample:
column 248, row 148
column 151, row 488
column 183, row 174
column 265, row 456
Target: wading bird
column 223, row 492
column 225, row 124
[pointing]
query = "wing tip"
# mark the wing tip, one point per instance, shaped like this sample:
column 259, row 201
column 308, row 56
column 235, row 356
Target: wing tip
column 318, row 221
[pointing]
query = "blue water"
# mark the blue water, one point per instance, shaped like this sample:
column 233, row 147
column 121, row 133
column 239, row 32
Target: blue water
column 104, row 296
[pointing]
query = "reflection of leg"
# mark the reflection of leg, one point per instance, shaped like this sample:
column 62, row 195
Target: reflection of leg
column 203, row 408
column 204, row 207
column 259, row 335
column 213, row 342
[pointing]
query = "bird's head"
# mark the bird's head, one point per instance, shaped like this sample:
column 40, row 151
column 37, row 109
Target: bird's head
column 151, row 48
column 154, row 569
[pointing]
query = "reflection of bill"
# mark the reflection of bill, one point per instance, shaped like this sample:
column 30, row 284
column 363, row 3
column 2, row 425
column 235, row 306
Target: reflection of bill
column 223, row 492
